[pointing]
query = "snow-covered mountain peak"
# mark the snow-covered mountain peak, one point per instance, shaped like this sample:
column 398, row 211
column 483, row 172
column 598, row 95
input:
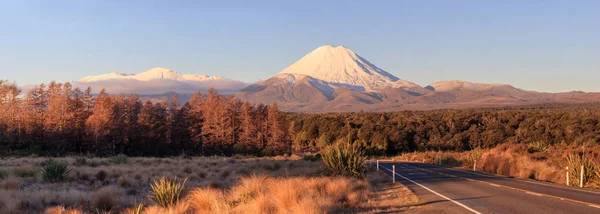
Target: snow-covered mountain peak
column 159, row 80
column 342, row 66
column 449, row 85
column 159, row 73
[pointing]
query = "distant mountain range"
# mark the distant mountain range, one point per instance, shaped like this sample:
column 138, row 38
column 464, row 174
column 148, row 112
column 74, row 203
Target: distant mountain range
column 337, row 79
column 158, row 81
column 331, row 79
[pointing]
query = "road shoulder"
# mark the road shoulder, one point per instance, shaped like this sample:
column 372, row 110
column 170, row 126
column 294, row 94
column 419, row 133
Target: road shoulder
column 387, row 197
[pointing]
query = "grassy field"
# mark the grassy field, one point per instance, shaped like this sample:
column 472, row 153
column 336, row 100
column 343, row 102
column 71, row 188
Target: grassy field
column 214, row 185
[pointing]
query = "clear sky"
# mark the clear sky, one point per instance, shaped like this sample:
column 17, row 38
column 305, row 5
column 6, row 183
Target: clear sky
column 538, row 45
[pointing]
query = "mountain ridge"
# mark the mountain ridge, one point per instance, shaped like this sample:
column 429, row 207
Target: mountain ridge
column 159, row 80
column 330, row 79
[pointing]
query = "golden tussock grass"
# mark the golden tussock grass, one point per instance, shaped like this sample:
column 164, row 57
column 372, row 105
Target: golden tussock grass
column 107, row 198
column 283, row 184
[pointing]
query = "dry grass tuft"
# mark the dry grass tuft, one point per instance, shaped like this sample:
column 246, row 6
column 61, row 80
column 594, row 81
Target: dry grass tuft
column 10, row 184
column 107, row 198
column 110, row 187
column 124, row 181
column 63, row 210
column 208, row 200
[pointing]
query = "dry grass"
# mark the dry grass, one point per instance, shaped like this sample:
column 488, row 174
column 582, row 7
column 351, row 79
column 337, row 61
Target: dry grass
column 214, row 185
column 386, row 197
column 262, row 194
column 10, row 184
column 107, row 198
column 101, row 184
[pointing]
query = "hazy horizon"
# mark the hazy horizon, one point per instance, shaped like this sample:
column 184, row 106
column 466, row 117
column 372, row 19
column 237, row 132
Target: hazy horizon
column 544, row 46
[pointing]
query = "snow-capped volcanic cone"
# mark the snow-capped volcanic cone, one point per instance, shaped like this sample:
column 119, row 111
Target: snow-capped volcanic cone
column 327, row 76
column 342, row 67
column 159, row 80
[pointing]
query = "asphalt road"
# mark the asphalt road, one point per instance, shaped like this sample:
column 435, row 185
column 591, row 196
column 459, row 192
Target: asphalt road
column 444, row 190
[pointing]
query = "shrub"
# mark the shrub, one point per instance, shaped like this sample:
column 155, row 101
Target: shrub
column 537, row 146
column 3, row 174
column 101, row 175
column 107, row 198
column 93, row 163
column 308, row 157
column 345, row 160
column 166, row 192
column 80, row 161
column 273, row 167
column 10, row 184
column 119, row 159
column 54, row 171
column 447, row 160
column 575, row 162
column 472, row 156
column 187, row 170
column 25, row 172
column 124, row 181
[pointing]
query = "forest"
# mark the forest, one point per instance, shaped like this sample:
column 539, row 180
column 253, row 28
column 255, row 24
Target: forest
column 58, row 119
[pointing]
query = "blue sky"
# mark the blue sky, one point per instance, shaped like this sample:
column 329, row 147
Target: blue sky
column 537, row 45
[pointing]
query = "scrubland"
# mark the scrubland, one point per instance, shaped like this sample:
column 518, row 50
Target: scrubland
column 538, row 161
column 214, row 185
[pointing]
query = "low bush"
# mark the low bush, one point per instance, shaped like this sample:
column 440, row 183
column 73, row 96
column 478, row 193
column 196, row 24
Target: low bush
column 3, row 174
column 101, row 175
column 472, row 156
column 80, row 161
column 447, row 160
column 166, row 192
column 119, row 159
column 25, row 172
column 93, row 163
column 54, row 171
column 107, row 198
column 575, row 162
column 537, row 146
column 345, row 160
column 316, row 157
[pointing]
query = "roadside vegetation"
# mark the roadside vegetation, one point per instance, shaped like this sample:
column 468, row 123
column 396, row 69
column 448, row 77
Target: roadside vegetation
column 521, row 161
column 180, row 185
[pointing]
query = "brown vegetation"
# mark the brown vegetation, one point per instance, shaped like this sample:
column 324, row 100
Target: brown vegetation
column 58, row 119
column 272, row 185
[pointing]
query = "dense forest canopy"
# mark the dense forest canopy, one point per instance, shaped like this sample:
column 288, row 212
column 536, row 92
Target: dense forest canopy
column 58, row 119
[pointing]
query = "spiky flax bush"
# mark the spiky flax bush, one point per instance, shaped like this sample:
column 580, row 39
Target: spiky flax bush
column 575, row 162
column 54, row 171
column 166, row 192
column 537, row 146
column 345, row 160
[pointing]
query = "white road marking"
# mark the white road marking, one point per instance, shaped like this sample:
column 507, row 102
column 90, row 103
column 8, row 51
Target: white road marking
column 533, row 193
column 519, row 180
column 522, row 190
column 594, row 206
column 434, row 192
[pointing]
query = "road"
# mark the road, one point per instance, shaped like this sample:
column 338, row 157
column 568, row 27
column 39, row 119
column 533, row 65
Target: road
column 445, row 190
